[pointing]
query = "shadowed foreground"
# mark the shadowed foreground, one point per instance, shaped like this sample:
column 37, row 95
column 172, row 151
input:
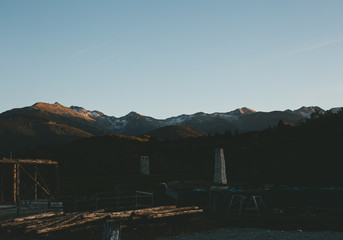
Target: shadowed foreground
column 256, row 234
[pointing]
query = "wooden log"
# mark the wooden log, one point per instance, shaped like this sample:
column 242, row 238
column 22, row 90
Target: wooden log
column 155, row 208
column 162, row 215
column 93, row 217
column 48, row 221
column 51, row 222
column 37, row 216
column 56, row 223
column 169, row 210
column 26, row 220
column 43, row 222
column 141, row 211
column 152, row 215
column 70, row 225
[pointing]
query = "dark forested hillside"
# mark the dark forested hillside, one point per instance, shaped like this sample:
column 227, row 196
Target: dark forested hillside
column 175, row 132
column 309, row 153
column 42, row 124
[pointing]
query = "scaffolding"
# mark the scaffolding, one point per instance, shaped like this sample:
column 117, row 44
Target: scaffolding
column 22, row 180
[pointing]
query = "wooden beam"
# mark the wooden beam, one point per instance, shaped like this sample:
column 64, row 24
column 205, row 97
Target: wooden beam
column 29, row 161
column 45, row 190
column 18, row 181
column 42, row 179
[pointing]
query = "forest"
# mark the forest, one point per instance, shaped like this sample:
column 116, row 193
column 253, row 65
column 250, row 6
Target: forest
column 308, row 153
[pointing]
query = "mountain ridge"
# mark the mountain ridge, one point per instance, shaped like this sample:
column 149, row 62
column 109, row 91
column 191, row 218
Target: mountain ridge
column 44, row 123
column 129, row 123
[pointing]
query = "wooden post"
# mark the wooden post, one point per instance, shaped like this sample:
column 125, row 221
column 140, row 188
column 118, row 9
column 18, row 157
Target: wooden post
column 14, row 183
column 18, row 181
column 36, row 189
column 18, row 187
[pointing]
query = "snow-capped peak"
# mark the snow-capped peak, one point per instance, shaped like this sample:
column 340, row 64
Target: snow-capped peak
column 307, row 111
column 92, row 114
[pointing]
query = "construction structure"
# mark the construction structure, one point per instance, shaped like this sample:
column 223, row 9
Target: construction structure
column 25, row 187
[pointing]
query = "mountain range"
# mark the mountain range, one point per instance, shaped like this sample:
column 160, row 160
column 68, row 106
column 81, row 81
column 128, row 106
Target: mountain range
column 241, row 120
column 44, row 123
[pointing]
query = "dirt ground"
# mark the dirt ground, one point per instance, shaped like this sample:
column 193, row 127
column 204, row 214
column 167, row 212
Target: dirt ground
column 223, row 234
column 239, row 227
column 256, row 234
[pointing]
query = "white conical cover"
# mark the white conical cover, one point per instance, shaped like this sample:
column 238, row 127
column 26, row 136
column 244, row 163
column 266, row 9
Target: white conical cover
column 219, row 167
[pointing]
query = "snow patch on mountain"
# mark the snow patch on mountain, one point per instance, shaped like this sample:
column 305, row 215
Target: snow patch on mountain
column 306, row 112
column 177, row 120
column 92, row 114
column 335, row 110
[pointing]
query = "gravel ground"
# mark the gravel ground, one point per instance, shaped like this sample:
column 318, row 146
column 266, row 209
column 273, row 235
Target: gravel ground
column 257, row 234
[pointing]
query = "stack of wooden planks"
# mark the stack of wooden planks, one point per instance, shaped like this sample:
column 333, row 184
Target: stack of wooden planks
column 52, row 222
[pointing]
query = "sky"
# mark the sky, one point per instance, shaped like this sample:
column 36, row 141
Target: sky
column 165, row 58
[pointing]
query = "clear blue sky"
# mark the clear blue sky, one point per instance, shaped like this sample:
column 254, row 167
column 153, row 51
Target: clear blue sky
column 164, row 58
